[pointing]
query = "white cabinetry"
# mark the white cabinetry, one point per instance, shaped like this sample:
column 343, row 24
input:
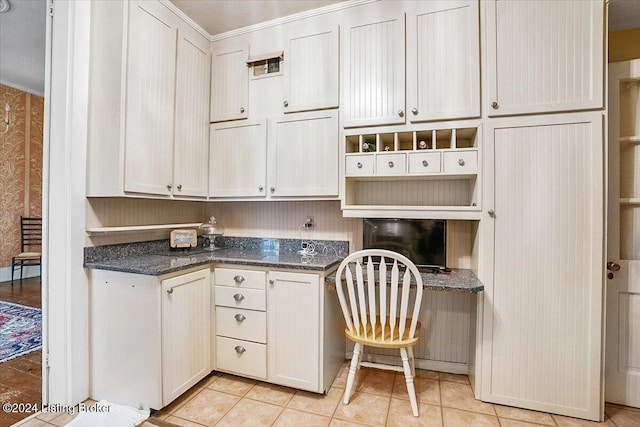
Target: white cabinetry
column 544, row 56
column 162, row 331
column 545, row 184
column 311, row 70
column 229, row 84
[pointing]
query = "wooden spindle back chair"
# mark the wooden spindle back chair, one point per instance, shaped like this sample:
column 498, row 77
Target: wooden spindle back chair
column 30, row 246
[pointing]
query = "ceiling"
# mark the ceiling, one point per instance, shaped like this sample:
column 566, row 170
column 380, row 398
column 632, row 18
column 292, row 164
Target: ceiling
column 22, row 28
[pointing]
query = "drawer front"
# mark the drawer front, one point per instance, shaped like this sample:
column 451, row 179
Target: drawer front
column 241, row 357
column 391, row 164
column 461, row 161
column 359, row 165
column 249, row 325
column 252, row 299
column 424, row 162
column 240, row 278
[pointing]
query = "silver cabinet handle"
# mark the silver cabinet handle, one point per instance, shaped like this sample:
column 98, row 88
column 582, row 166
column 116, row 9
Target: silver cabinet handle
column 495, row 105
column 425, row 163
column 272, row 189
column 238, row 297
column 414, row 111
column 170, row 291
column 242, row 109
column 238, row 279
column 239, row 349
column 400, row 113
column 169, row 187
column 359, row 165
column 260, row 188
column 461, row 162
column 179, row 187
column 391, row 164
column 491, row 213
column 239, row 317
column 285, row 103
column 271, row 281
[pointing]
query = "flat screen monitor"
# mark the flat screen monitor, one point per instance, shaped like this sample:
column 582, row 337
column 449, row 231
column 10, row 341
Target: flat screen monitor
column 423, row 241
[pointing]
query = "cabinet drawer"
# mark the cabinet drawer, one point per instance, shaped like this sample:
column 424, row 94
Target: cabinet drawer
column 359, row 165
column 247, row 325
column 460, row 161
column 240, row 278
column 424, row 162
column 391, row 164
column 252, row 299
column 242, row 357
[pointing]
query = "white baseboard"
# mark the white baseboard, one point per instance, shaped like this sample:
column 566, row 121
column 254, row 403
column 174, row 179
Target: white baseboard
column 431, row 365
column 31, row 271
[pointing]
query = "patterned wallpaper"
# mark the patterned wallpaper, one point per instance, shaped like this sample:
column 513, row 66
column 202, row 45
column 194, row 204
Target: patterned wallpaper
column 20, row 166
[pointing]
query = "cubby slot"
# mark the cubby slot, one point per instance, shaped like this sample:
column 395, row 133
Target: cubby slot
column 425, row 137
column 387, row 142
column 352, row 144
column 443, row 139
column 630, row 241
column 368, row 143
column 630, row 171
column 405, row 141
column 466, row 138
column 629, row 105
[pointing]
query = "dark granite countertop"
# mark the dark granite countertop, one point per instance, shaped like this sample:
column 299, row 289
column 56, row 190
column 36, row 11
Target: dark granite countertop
column 458, row 280
column 155, row 258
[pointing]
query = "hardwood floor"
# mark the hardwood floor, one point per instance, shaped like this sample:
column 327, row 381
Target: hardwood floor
column 21, row 378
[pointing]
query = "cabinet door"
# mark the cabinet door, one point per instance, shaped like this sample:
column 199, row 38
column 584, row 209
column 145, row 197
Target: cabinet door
column 373, row 72
column 237, row 159
column 311, row 69
column 229, row 85
column 544, row 326
column 186, row 332
column 293, row 330
column 192, row 115
column 544, row 56
column 303, row 155
column 443, row 61
column 150, row 96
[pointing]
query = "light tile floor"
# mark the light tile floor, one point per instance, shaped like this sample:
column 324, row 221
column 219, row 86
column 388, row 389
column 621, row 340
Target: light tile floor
column 380, row 399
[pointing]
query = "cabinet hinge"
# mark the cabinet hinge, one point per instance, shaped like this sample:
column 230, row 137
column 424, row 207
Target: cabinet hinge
column 46, row 361
column 51, row 8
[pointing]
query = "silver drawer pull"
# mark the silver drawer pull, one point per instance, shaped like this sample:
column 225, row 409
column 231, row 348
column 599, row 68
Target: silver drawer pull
column 239, row 349
column 238, row 279
column 461, row 162
column 239, row 317
column 391, row 164
column 425, row 163
column 238, row 297
column 359, row 165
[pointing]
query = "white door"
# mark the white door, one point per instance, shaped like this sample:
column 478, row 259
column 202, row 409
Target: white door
column 186, row 332
column 373, row 71
column 293, row 330
column 191, row 160
column 443, row 61
column 544, row 295
column 622, row 355
column 303, row 155
column 544, row 56
column 311, row 70
column 229, row 85
column 238, row 159
column 151, row 79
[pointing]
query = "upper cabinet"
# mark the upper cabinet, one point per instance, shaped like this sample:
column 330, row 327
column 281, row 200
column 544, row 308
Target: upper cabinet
column 443, row 61
column 229, row 84
column 311, row 71
column 544, row 56
column 373, row 71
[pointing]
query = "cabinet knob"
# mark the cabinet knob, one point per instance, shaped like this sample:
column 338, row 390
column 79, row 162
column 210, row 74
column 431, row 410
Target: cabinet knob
column 238, row 279
column 260, row 188
column 239, row 317
column 170, row 291
column 272, row 189
column 242, row 109
column 238, row 297
column 613, row 266
column 461, row 162
column 414, row 111
column 179, row 187
column 495, row 105
column 285, row 103
column 169, row 187
column 400, row 113
column 271, row 281
column 391, row 164
column 491, row 213
column 359, row 165
column 425, row 163
column 239, row 349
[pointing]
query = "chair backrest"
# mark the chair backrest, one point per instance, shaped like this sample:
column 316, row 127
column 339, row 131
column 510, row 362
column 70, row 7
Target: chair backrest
column 30, row 232
column 369, row 305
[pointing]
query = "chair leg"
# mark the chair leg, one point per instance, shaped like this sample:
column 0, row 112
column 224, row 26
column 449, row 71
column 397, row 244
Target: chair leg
column 411, row 391
column 13, row 269
column 412, row 361
column 355, row 363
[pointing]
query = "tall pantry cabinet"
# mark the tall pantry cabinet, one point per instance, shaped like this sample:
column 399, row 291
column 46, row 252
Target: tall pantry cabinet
column 544, row 197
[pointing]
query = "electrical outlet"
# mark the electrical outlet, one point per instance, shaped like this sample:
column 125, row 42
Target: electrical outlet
column 308, row 222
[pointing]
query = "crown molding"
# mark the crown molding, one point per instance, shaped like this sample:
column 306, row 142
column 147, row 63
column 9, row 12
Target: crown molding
column 172, row 7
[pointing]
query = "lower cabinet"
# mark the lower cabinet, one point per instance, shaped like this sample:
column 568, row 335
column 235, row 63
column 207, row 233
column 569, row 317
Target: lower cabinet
column 149, row 336
column 278, row 326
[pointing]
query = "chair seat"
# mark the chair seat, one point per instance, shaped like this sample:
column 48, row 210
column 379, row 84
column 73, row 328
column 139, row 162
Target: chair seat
column 29, row 255
column 384, row 341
